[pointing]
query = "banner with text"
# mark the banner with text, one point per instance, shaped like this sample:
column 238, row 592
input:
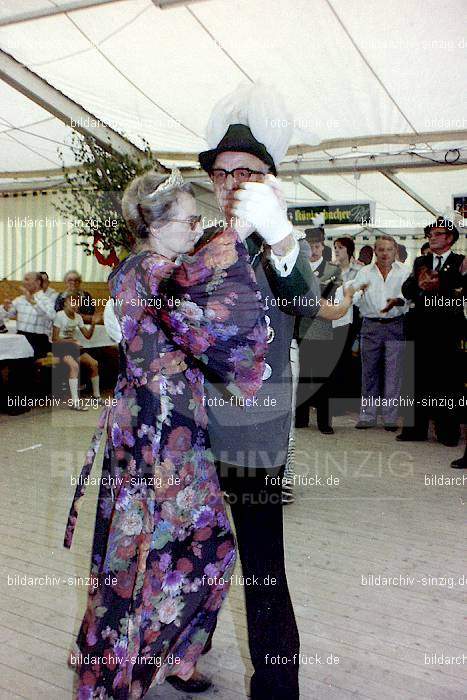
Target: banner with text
column 334, row 213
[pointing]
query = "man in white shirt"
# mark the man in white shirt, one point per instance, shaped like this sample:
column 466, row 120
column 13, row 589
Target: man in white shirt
column 382, row 307
column 34, row 313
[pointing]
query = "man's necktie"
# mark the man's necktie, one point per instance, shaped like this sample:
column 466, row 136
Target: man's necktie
column 439, row 260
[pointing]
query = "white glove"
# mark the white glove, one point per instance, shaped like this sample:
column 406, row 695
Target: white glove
column 263, row 206
column 111, row 324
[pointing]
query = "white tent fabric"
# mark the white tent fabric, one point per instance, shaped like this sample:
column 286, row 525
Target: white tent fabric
column 302, row 46
column 347, row 70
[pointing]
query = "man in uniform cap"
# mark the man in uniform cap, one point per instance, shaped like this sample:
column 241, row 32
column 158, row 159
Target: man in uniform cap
column 318, row 354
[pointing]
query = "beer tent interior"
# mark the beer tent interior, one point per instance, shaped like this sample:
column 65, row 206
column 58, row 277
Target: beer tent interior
column 375, row 95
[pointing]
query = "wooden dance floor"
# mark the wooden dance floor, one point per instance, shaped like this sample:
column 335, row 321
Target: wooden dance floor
column 376, row 565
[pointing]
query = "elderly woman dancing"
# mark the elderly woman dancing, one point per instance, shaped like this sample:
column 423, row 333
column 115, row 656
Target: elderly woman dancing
column 163, row 550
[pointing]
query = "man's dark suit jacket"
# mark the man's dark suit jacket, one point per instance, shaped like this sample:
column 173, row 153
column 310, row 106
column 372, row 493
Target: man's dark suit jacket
column 257, row 436
column 439, row 330
column 442, row 310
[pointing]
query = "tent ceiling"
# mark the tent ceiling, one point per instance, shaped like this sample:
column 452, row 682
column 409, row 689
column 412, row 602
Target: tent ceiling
column 155, row 74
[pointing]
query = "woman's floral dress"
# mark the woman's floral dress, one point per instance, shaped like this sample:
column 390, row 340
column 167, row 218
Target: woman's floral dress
column 163, row 550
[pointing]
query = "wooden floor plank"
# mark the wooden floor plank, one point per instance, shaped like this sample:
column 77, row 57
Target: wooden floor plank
column 379, row 520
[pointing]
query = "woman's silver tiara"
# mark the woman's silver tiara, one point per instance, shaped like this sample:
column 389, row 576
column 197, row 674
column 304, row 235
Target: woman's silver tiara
column 175, row 179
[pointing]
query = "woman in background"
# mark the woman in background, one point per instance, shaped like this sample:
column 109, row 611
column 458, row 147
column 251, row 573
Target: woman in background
column 346, row 377
column 163, row 550
column 66, row 346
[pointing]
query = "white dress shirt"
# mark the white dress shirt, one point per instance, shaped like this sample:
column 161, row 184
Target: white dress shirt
column 284, row 263
column 51, row 293
column 33, row 318
column 315, row 264
column 380, row 290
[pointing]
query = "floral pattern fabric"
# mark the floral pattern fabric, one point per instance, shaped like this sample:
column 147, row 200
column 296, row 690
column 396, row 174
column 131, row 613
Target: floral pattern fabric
column 163, row 550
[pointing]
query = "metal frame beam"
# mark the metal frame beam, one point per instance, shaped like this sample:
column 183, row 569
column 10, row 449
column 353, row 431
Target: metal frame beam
column 369, row 163
column 421, row 137
column 314, row 189
column 339, row 166
column 36, row 174
column 459, row 137
column 76, row 5
column 71, row 6
column 410, row 192
column 167, row 4
column 31, row 185
column 71, row 113
column 387, row 164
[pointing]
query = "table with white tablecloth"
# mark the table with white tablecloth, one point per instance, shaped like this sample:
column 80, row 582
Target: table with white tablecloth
column 99, row 339
column 16, row 362
column 14, row 347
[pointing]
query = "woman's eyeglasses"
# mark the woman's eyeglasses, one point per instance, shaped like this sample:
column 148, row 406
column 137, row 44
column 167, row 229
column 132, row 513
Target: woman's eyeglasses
column 219, row 175
column 193, row 221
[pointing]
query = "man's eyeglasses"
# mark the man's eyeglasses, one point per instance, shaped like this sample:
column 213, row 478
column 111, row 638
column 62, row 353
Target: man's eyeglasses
column 219, row 175
column 193, row 221
column 440, row 232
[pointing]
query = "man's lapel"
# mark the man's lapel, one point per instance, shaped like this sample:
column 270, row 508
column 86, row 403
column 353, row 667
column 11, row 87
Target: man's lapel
column 320, row 269
column 448, row 262
column 253, row 244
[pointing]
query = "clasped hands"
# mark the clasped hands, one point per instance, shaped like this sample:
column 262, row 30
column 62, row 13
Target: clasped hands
column 428, row 280
column 261, row 207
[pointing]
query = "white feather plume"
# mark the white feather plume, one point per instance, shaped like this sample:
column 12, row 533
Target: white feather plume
column 319, row 220
column 260, row 107
column 453, row 215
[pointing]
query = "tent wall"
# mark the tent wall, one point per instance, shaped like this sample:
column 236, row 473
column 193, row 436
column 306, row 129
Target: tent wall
column 34, row 236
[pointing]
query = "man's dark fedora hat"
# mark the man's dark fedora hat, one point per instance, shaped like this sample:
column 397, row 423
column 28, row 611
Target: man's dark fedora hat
column 447, row 224
column 237, row 138
column 314, row 235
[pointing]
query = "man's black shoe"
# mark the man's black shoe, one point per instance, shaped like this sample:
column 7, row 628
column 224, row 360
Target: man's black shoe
column 326, row 429
column 410, row 437
column 192, row 685
column 460, row 463
column 449, row 442
column 301, row 421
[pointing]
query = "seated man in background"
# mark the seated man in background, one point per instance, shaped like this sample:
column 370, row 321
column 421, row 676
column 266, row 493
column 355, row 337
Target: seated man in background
column 34, row 313
column 73, row 282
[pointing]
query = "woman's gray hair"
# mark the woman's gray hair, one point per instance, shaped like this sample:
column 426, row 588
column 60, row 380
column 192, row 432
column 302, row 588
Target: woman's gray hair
column 72, row 272
column 143, row 205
